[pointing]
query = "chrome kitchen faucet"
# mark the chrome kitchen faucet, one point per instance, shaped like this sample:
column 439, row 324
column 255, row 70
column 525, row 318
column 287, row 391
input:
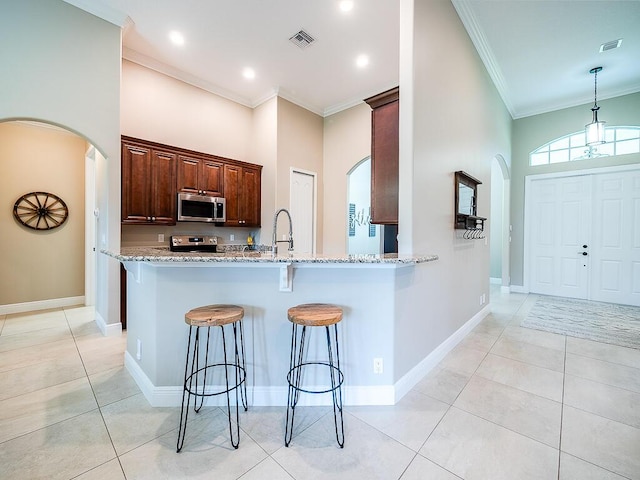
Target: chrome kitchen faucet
column 275, row 241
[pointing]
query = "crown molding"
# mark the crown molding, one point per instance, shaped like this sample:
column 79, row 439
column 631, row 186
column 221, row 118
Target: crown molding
column 160, row 67
column 100, row 10
column 465, row 12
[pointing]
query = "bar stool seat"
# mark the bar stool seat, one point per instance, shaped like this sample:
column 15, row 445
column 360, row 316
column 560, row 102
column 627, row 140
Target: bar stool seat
column 196, row 368
column 314, row 315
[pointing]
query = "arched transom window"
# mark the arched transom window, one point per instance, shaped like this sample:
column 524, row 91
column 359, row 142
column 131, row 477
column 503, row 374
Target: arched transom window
column 620, row 141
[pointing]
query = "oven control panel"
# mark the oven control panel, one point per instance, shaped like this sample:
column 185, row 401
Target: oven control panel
column 190, row 243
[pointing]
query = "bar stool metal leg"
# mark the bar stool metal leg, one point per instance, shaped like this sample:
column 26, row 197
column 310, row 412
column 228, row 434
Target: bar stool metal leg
column 235, row 442
column 241, row 360
column 336, row 385
column 295, row 376
column 195, row 376
column 186, row 392
column 196, row 407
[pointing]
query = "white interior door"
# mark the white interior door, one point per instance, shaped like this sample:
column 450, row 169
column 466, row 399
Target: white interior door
column 616, row 241
column 559, row 229
column 303, row 200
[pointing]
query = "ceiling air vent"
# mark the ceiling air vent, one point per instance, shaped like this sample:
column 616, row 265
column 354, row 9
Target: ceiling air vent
column 610, row 45
column 302, row 39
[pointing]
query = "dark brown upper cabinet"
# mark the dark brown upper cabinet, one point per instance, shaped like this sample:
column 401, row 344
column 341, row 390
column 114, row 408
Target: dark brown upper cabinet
column 148, row 184
column 153, row 174
column 384, row 156
column 200, row 175
column 243, row 194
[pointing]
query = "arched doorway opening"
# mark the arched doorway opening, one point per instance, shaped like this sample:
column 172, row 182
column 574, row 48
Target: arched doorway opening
column 57, row 267
column 500, row 225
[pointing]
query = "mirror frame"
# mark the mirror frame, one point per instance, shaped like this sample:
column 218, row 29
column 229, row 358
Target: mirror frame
column 462, row 219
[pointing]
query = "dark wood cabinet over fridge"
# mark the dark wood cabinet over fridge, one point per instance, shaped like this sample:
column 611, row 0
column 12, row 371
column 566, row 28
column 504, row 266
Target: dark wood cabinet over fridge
column 384, row 156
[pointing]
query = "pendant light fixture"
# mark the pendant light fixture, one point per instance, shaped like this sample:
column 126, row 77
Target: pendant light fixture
column 595, row 130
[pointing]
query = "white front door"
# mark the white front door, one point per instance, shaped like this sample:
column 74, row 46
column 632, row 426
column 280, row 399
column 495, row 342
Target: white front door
column 616, row 241
column 584, row 236
column 303, row 210
column 559, row 228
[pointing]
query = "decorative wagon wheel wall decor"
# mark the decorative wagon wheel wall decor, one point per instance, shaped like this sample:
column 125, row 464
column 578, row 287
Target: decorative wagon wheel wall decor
column 40, row 210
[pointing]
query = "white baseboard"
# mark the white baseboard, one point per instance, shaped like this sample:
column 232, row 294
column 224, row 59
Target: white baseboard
column 518, row 289
column 41, row 305
column 171, row 396
column 417, row 373
column 108, row 329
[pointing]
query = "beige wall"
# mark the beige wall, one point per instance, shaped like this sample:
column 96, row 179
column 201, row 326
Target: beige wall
column 277, row 135
column 300, row 146
column 40, row 265
column 347, row 141
column 264, row 151
column 451, row 118
column 162, row 109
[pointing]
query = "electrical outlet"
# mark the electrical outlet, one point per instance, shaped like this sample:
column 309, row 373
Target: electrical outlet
column 161, row 237
column 232, row 237
column 481, row 300
column 378, row 367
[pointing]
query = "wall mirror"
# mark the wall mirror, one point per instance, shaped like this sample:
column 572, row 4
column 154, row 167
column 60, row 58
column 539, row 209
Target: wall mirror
column 466, row 202
column 466, row 199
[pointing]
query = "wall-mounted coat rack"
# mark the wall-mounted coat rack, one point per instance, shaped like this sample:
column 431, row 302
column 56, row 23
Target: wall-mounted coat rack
column 466, row 206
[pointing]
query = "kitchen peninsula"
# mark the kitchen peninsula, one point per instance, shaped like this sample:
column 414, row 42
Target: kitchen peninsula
column 381, row 296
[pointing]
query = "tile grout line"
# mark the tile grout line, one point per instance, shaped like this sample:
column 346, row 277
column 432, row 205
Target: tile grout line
column 450, row 407
column 94, row 397
column 564, row 376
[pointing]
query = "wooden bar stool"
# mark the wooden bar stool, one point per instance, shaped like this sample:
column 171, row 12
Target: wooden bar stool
column 314, row 315
column 196, row 368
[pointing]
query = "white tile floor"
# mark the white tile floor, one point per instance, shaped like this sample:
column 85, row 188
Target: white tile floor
column 507, row 403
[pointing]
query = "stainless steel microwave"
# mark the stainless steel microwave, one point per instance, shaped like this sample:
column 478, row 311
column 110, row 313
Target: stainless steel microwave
column 201, row 208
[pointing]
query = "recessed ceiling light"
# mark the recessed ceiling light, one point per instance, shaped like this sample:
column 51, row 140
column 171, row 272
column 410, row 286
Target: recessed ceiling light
column 176, row 37
column 362, row 61
column 346, row 5
column 249, row 73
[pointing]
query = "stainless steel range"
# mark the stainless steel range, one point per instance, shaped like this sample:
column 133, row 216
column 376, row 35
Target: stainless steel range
column 193, row 243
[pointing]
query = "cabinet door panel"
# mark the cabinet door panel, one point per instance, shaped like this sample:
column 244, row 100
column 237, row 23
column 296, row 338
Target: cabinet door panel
column 136, row 187
column 188, row 174
column 163, row 187
column 251, row 197
column 384, row 164
column 232, row 178
column 211, row 178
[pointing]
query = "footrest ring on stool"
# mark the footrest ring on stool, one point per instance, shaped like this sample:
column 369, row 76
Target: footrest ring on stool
column 299, row 368
column 203, row 393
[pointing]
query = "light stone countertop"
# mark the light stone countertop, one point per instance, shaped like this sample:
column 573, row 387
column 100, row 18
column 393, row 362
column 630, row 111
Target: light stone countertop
column 163, row 254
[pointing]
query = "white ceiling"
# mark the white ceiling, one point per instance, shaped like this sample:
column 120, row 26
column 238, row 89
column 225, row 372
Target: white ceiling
column 538, row 52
